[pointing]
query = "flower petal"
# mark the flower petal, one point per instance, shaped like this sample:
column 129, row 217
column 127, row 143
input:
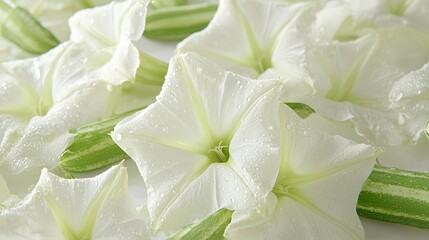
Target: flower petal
column 174, row 142
column 40, row 109
column 93, row 208
column 108, row 25
column 247, row 37
column 316, row 191
column 410, row 97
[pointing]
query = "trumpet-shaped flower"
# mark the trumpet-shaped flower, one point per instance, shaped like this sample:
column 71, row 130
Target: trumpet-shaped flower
column 44, row 98
column 93, row 208
column 209, row 142
column 379, row 14
column 258, row 39
column 352, row 58
column 359, row 69
column 39, row 105
column 105, row 35
column 316, row 190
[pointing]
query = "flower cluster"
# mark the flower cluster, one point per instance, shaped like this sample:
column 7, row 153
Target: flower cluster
column 221, row 133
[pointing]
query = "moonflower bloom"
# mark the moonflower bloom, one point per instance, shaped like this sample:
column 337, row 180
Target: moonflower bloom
column 378, row 14
column 351, row 57
column 316, row 190
column 106, row 34
column 209, row 142
column 359, row 73
column 92, row 208
column 38, row 107
column 44, row 98
column 106, row 51
column 258, row 39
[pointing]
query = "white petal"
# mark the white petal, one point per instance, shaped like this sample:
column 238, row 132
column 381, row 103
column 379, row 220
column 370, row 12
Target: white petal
column 333, row 152
column 9, row 51
column 321, row 177
column 244, row 36
column 289, row 220
column 80, row 65
column 58, row 208
column 254, row 148
column 228, row 96
column 409, row 96
column 199, row 108
column 40, row 141
column 4, row 190
column 108, row 25
column 297, row 81
column 121, row 67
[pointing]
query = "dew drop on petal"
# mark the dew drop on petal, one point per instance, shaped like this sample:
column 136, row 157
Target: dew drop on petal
column 401, row 119
column 109, row 88
column 396, row 96
column 118, row 137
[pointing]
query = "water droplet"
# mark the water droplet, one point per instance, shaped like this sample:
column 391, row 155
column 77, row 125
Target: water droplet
column 109, row 88
column 396, row 96
column 118, row 137
column 401, row 119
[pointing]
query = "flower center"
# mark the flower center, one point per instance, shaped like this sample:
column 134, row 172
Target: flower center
column 219, row 153
column 263, row 63
column 280, row 190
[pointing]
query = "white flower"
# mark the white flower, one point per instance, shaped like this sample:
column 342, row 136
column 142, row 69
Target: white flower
column 209, row 142
column 384, row 13
column 39, row 104
column 43, row 98
column 105, row 35
column 258, row 39
column 316, row 190
column 357, row 70
column 93, row 208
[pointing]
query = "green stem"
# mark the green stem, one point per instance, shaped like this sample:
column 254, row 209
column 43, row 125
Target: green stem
column 93, row 148
column 397, row 196
column 151, row 70
column 176, row 23
column 156, row 4
column 18, row 26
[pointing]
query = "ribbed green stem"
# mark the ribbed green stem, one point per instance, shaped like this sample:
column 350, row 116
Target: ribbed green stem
column 156, row 4
column 151, row 70
column 18, row 26
column 397, row 196
column 93, row 147
column 176, row 23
